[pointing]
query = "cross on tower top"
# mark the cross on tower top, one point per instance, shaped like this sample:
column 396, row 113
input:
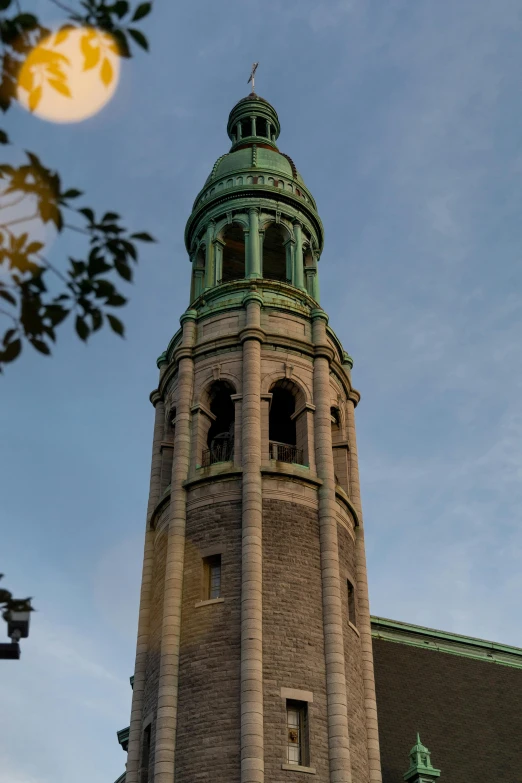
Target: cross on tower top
column 252, row 76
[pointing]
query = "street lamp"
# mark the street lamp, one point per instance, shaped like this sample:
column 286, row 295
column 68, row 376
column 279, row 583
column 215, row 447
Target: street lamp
column 17, row 628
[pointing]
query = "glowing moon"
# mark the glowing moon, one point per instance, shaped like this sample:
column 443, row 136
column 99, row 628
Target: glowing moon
column 70, row 75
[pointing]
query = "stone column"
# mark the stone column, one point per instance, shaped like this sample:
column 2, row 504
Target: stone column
column 363, row 604
column 166, row 716
column 252, row 745
column 218, row 259
column 237, row 399
column 210, row 276
column 337, row 710
column 298, row 257
column 254, row 256
column 133, row 756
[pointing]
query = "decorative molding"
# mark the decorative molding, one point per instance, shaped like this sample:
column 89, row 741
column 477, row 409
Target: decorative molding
column 199, row 408
column 443, row 642
column 306, row 406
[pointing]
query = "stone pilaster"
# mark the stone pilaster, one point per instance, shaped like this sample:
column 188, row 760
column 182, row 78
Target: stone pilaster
column 166, row 716
column 363, row 604
column 254, row 255
column 252, row 741
column 298, row 257
column 210, row 275
column 338, row 734
column 133, row 755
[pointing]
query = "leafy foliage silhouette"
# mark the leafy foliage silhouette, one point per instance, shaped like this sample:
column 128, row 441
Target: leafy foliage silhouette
column 86, row 286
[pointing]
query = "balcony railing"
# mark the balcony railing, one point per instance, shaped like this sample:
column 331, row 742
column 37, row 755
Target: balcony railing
column 284, row 452
column 219, row 451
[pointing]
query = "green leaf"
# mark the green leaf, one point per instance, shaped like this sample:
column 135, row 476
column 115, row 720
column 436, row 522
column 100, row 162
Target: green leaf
column 110, row 216
column 26, row 21
column 72, row 193
column 143, row 237
column 4, row 138
column 116, row 324
column 7, row 296
column 89, row 214
column 97, row 319
column 56, row 314
column 11, row 351
column 139, row 38
column 4, row 4
column 82, row 330
column 116, row 301
column 40, row 345
column 141, row 11
column 123, row 270
column 120, row 8
column 121, row 43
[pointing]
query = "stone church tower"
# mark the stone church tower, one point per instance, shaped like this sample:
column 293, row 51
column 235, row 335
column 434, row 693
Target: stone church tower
column 254, row 654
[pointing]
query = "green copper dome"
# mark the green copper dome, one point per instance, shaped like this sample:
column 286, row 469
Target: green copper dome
column 254, row 218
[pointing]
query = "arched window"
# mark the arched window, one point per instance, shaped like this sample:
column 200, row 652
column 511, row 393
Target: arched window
column 198, row 273
column 286, row 439
column 275, row 253
column 261, row 127
column 167, row 450
column 220, row 437
column 233, row 254
column 340, row 450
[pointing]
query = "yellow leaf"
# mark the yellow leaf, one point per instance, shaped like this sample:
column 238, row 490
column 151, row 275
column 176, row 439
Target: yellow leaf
column 106, row 72
column 60, row 87
column 41, row 55
column 35, row 97
column 61, row 36
column 26, row 79
column 91, row 54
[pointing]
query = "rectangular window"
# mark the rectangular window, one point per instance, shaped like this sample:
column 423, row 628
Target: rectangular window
column 212, row 577
column 297, row 733
column 352, row 614
column 145, row 755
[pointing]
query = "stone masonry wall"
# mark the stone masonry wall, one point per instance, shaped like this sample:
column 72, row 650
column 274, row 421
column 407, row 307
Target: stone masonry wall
column 466, row 711
column 293, row 640
column 208, row 734
column 354, row 677
column 155, row 627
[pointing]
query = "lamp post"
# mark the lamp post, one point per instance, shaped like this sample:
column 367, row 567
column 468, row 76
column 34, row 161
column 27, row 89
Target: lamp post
column 17, row 628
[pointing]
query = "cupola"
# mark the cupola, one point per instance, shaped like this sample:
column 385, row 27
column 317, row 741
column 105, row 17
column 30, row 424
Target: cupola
column 253, row 120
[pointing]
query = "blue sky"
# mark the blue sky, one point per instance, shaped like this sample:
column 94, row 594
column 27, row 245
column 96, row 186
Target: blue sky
column 405, row 121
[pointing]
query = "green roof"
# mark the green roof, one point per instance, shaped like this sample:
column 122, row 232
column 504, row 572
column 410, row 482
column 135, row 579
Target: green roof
column 442, row 641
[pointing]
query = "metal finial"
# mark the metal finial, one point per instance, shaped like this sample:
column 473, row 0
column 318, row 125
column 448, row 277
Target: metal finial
column 252, row 76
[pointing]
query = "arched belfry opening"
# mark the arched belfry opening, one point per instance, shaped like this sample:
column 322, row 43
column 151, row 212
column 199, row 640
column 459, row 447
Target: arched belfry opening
column 340, row 450
column 198, row 273
column 287, row 438
column 275, row 266
column 233, row 264
column 220, row 437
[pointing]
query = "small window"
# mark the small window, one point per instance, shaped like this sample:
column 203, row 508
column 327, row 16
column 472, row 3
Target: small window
column 352, row 614
column 297, row 733
column 212, row 577
column 145, row 755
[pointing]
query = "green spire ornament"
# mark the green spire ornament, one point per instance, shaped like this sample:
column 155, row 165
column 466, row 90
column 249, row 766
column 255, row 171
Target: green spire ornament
column 421, row 769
